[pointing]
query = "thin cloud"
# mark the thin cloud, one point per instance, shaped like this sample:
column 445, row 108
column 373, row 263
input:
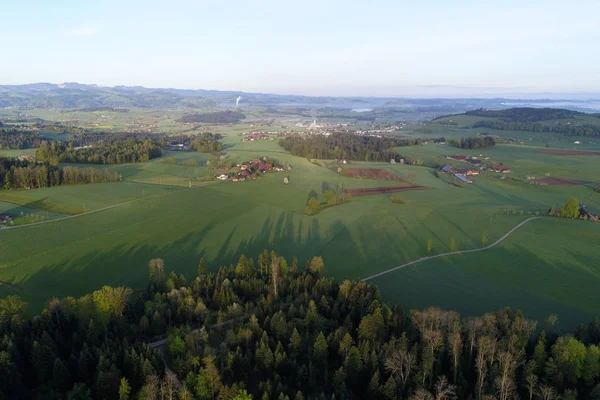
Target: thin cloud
column 85, row 30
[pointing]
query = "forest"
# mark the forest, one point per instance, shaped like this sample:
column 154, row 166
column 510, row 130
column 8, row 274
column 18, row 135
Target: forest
column 217, row 117
column 270, row 329
column 526, row 114
column 206, row 143
column 343, row 146
column 474, row 142
column 17, row 139
column 562, row 128
column 17, row 174
column 108, row 151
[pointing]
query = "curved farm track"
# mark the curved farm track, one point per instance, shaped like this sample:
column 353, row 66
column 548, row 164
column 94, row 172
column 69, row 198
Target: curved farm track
column 450, row 253
column 12, row 285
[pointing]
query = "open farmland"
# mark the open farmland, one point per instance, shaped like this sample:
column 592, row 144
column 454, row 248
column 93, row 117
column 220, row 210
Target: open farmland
column 219, row 221
column 544, row 268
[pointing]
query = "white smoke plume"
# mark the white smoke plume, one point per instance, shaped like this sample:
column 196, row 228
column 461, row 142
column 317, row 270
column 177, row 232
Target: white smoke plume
column 237, row 101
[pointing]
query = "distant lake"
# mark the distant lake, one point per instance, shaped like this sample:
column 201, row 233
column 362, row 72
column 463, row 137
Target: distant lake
column 591, row 105
column 362, row 109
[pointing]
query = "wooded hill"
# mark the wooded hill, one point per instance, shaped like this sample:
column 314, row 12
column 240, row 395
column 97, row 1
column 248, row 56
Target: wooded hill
column 267, row 329
column 537, row 120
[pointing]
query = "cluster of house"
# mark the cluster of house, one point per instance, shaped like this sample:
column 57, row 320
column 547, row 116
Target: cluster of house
column 461, row 175
column 501, row 169
column 5, row 219
column 476, row 161
column 259, row 135
column 248, row 170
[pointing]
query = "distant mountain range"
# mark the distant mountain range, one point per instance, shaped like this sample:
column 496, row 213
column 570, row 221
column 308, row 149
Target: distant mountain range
column 72, row 95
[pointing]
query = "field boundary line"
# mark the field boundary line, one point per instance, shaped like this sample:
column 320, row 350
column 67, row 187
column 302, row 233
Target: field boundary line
column 71, row 216
column 507, row 234
column 97, row 210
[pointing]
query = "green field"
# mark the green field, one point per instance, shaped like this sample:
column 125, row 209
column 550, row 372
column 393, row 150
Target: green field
column 548, row 266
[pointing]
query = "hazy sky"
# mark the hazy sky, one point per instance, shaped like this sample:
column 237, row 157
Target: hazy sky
column 325, row 47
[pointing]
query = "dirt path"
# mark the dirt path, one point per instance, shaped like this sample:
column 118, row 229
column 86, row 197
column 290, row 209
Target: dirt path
column 450, row 253
column 69, row 216
column 160, row 344
column 12, row 285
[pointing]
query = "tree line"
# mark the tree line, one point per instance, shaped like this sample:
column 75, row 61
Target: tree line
column 342, row 146
column 474, row 142
column 18, row 139
column 206, row 143
column 559, row 127
column 526, row 114
column 16, row 174
column 269, row 329
column 104, row 152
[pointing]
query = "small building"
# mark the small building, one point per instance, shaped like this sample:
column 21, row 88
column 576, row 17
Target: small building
column 262, row 167
column 590, row 216
column 463, row 178
column 472, row 172
column 5, row 219
column 448, row 168
column 502, row 169
column 577, row 142
column 223, row 177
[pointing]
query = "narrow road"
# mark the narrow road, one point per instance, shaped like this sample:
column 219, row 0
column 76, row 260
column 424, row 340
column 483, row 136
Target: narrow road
column 159, row 344
column 2, row 228
column 69, row 216
column 450, row 253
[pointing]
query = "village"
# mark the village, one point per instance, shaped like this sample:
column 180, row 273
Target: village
column 254, row 168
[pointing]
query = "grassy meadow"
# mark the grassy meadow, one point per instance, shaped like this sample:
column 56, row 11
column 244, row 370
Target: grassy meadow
column 548, row 266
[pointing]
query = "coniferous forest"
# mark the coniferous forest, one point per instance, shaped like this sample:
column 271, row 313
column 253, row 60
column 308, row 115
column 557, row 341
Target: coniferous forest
column 104, row 152
column 269, row 329
column 23, row 174
column 16, row 139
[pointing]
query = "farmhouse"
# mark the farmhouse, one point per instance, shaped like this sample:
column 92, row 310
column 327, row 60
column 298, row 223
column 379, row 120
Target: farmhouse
column 471, row 172
column 448, row 168
column 5, row 219
column 590, row 216
column 463, row 178
column 501, row 168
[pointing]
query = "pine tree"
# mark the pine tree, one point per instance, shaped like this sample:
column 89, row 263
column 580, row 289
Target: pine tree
column 320, row 349
column 124, row 389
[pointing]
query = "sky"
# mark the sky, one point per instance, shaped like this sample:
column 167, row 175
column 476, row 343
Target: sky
column 422, row 48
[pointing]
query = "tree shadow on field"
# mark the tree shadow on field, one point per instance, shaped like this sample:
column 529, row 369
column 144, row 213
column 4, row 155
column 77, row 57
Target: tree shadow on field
column 514, row 277
column 289, row 234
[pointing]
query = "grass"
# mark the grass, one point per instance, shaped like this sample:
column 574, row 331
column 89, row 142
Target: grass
column 537, row 270
column 544, row 268
column 77, row 199
column 189, row 168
